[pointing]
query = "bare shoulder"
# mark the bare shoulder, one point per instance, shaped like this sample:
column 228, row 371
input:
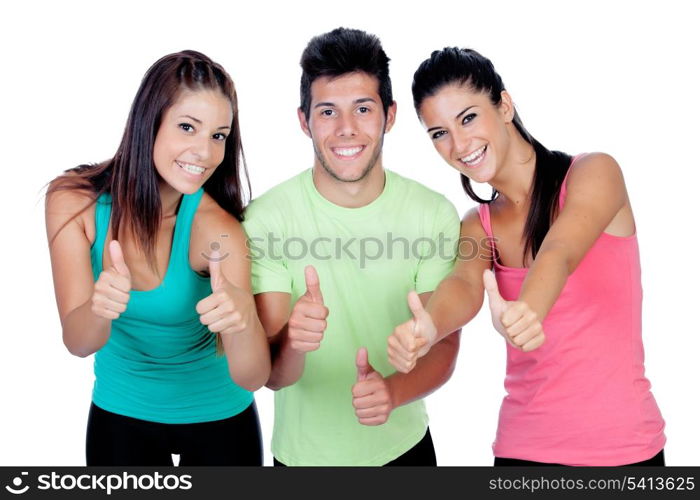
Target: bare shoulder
column 214, row 229
column 67, row 201
column 595, row 170
column 211, row 221
column 471, row 224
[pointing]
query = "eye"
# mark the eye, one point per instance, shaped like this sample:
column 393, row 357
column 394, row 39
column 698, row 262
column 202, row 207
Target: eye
column 467, row 118
column 363, row 109
column 327, row 112
column 186, row 127
column 220, row 136
column 437, row 134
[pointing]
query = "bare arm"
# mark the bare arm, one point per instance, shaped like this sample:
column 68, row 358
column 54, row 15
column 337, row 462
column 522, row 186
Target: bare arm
column 230, row 309
column 596, row 194
column 292, row 335
column 374, row 397
column 287, row 363
column 431, row 371
column 84, row 331
column 455, row 301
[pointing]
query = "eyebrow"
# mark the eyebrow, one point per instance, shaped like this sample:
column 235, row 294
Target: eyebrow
column 200, row 121
column 456, row 117
column 362, row 100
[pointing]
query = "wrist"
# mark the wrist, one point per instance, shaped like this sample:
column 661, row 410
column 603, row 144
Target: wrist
column 391, row 383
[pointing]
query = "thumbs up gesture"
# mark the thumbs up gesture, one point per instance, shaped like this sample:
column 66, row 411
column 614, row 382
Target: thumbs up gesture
column 308, row 319
column 228, row 309
column 371, row 395
column 111, row 292
column 515, row 320
column 412, row 339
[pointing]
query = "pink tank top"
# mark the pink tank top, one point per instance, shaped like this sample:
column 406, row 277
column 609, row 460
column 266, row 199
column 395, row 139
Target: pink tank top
column 582, row 397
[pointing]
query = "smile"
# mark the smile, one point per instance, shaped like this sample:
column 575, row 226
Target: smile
column 474, row 158
column 348, row 153
column 192, row 169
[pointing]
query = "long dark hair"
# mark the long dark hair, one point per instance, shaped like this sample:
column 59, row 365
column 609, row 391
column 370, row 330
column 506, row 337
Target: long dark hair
column 130, row 175
column 453, row 65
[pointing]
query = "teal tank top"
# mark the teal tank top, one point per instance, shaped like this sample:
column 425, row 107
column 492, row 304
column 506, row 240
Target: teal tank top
column 160, row 362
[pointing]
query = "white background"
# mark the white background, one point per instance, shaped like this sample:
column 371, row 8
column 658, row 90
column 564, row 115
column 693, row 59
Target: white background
column 619, row 77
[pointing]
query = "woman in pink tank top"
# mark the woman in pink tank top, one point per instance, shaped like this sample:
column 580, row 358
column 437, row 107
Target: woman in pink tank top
column 565, row 290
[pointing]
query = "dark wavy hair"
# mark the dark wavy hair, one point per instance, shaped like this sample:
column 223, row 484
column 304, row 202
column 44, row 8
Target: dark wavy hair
column 130, row 175
column 466, row 67
column 343, row 51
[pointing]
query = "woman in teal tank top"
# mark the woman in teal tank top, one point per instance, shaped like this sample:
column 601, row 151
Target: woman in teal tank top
column 151, row 275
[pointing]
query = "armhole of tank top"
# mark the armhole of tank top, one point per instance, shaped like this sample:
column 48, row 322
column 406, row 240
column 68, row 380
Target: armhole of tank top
column 485, row 218
column 103, row 211
column 562, row 189
column 183, row 230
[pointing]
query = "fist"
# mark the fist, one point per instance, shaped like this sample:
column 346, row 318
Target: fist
column 412, row 339
column 371, row 394
column 515, row 320
column 307, row 323
column 229, row 309
column 110, row 295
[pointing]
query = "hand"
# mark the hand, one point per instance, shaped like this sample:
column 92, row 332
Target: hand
column 308, row 319
column 111, row 292
column 371, row 395
column 228, row 309
column 412, row 339
column 518, row 324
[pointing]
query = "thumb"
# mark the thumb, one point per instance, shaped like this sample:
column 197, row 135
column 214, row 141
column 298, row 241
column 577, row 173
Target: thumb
column 215, row 275
column 415, row 305
column 313, row 285
column 115, row 253
column 362, row 363
column 491, row 286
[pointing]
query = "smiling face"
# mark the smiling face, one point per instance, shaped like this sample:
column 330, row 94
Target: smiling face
column 191, row 139
column 347, row 125
column 468, row 130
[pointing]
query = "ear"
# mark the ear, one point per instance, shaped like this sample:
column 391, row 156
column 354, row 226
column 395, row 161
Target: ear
column 303, row 122
column 390, row 117
column 507, row 107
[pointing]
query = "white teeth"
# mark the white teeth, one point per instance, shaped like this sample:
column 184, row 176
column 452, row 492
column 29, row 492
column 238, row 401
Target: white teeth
column 193, row 169
column 476, row 154
column 347, row 151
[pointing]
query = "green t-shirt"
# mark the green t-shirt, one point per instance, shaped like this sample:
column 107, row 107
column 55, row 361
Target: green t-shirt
column 367, row 260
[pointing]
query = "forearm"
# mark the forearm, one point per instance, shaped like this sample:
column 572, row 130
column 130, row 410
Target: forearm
column 544, row 281
column 287, row 363
column 453, row 304
column 431, row 372
column 248, row 355
column 84, row 332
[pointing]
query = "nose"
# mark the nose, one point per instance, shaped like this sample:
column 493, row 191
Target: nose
column 461, row 142
column 201, row 148
column 346, row 126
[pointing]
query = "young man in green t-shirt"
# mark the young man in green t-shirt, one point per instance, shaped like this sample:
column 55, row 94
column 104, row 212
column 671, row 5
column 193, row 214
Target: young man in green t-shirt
column 336, row 251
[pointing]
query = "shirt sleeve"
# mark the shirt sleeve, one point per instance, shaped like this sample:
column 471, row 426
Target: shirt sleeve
column 438, row 257
column 269, row 271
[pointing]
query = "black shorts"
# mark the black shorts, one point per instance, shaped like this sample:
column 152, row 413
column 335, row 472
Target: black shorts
column 656, row 460
column 114, row 439
column 422, row 454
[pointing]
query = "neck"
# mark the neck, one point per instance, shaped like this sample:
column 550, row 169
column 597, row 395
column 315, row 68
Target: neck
column 169, row 200
column 350, row 194
column 514, row 179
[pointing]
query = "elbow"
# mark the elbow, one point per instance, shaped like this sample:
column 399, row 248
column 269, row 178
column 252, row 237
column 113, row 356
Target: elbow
column 275, row 384
column 76, row 349
column 251, row 381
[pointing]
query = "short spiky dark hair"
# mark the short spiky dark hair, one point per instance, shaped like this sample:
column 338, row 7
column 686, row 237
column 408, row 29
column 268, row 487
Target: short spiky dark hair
column 342, row 51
